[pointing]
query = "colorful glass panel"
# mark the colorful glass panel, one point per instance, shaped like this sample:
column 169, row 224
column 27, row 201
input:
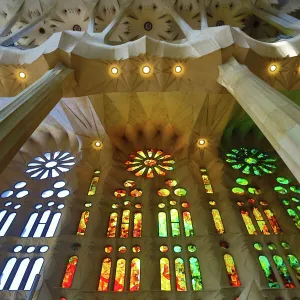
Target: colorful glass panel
column 171, row 182
column 285, row 245
column 108, row 249
column 135, row 273
column 177, row 249
column 162, row 224
column 282, row 269
column 175, row 222
column 136, row 193
column 248, row 222
column 70, row 272
column 280, row 189
column 218, row 221
column 273, row 221
column 83, row 222
column 163, row 192
column 188, row 224
column 258, row 246
column 93, row 185
column 105, row 275
column 295, row 189
column 260, row 221
column 163, row 248
column 161, row 205
column 238, row 191
column 292, row 213
column 125, row 224
column 195, row 274
column 231, row 270
column 282, row 180
column 137, row 224
column 294, row 263
column 120, row 193
column 136, row 249
column 129, row 183
column 180, row 275
column 122, row 249
column 272, row 246
column 185, row 204
column 180, row 192
column 242, row 181
column 120, row 275
column 191, row 248
column 165, row 276
column 254, row 191
column 266, row 267
column 112, row 225
column 207, row 185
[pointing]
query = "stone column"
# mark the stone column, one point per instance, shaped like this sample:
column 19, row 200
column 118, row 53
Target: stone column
column 203, row 14
column 20, row 117
column 276, row 116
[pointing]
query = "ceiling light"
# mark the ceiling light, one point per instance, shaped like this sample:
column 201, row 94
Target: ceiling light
column 178, row 69
column 273, row 68
column 114, row 70
column 22, row 75
column 146, row 70
column 201, row 142
column 97, row 144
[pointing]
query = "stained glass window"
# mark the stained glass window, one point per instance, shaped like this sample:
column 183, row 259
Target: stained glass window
column 206, row 182
column 120, row 275
column 295, row 217
column 165, row 277
column 135, row 273
column 248, row 222
column 83, row 222
column 105, row 275
column 195, row 274
column 180, row 192
column 36, row 268
column 187, row 222
column 70, row 272
column 15, row 285
column 162, row 224
column 125, row 224
column 7, row 222
column 218, row 221
column 231, row 270
column 272, row 220
column 7, row 271
column 180, row 275
column 175, row 222
column 294, row 263
column 260, row 221
column 112, row 225
column 282, row 269
column 94, row 182
column 137, row 224
column 266, row 267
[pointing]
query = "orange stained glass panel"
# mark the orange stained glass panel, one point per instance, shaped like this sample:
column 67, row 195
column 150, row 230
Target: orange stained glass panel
column 112, row 225
column 70, row 272
column 135, row 273
column 120, row 193
column 231, row 271
column 171, row 182
column 260, row 221
column 163, row 192
column 218, row 221
column 180, row 275
column 137, row 224
column 125, row 224
column 273, row 221
column 129, row 183
column 120, row 275
column 83, row 223
column 150, row 173
column 248, row 223
column 159, row 171
column 105, row 274
column 93, row 185
column 165, row 277
column 140, row 172
column 136, row 193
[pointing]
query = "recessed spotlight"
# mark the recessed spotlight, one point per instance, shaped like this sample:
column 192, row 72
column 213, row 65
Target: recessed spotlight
column 201, row 142
column 114, row 70
column 178, row 69
column 273, row 68
column 146, row 70
column 22, row 75
column 97, row 144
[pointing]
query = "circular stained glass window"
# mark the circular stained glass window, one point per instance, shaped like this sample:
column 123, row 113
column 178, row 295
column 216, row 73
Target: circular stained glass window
column 212, row 203
column 60, row 206
column 254, row 191
column 258, row 246
column 240, row 203
column 185, row 204
column 282, row 180
column 8, row 203
column 242, row 181
column 161, row 205
column 171, row 182
column 285, row 245
column 280, row 190
column 122, row 249
column 7, row 194
column 272, row 246
column 136, row 249
column 17, row 206
column 295, row 200
column 173, row 202
column 286, row 202
column 238, row 191
column 224, row 245
column 47, row 193
column 163, row 249
column 30, row 249
column 38, row 206
column 252, row 201
column 22, row 194
column 109, row 249
column 115, row 205
column 88, row 204
column 51, row 203
column 44, row 249
column 59, row 184
column 163, row 192
column 129, row 183
column 263, row 203
column 295, row 189
column 127, row 203
column 20, row 184
column 138, row 205
column 119, row 193
column 191, row 248
column 63, row 193
column 177, row 249
column 180, row 192
column 18, row 248
column 136, row 193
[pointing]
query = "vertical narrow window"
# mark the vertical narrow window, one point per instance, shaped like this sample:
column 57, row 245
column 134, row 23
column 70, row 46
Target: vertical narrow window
column 2, row 214
column 180, row 275
column 94, row 182
column 105, row 275
column 292, row 213
column 266, row 267
column 7, row 224
column 248, row 222
column 283, row 271
column 135, row 273
column 70, row 272
column 231, row 270
column 120, row 275
column 272, row 220
column 294, row 263
column 218, row 221
column 206, row 182
column 175, row 222
column 125, row 224
column 19, row 275
column 36, row 269
column 260, row 221
column 137, row 224
column 112, row 225
column 188, row 224
column 195, row 274
column 53, row 225
column 42, row 224
column 165, row 277
column 29, row 225
column 83, row 222
column 6, row 272
column 162, row 224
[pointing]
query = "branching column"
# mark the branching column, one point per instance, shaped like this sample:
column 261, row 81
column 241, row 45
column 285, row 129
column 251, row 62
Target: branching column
column 276, row 116
column 20, row 117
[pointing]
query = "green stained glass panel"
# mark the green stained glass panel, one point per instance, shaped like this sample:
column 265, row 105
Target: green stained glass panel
column 192, row 248
column 162, row 224
column 177, row 249
column 292, row 213
column 295, row 189
column 254, row 191
column 242, row 181
column 295, row 200
column 175, row 229
column 283, row 271
column 272, row 246
column 231, row 160
column 195, row 274
column 282, row 180
column 285, row 245
column 286, row 202
column 238, row 191
column 266, row 267
column 246, row 170
column 180, row 192
column 280, row 189
column 258, row 246
column 294, row 263
column 238, row 166
column 188, row 224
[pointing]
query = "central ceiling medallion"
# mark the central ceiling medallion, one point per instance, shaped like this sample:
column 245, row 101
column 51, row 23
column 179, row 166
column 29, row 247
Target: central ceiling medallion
column 150, row 162
column 148, row 26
